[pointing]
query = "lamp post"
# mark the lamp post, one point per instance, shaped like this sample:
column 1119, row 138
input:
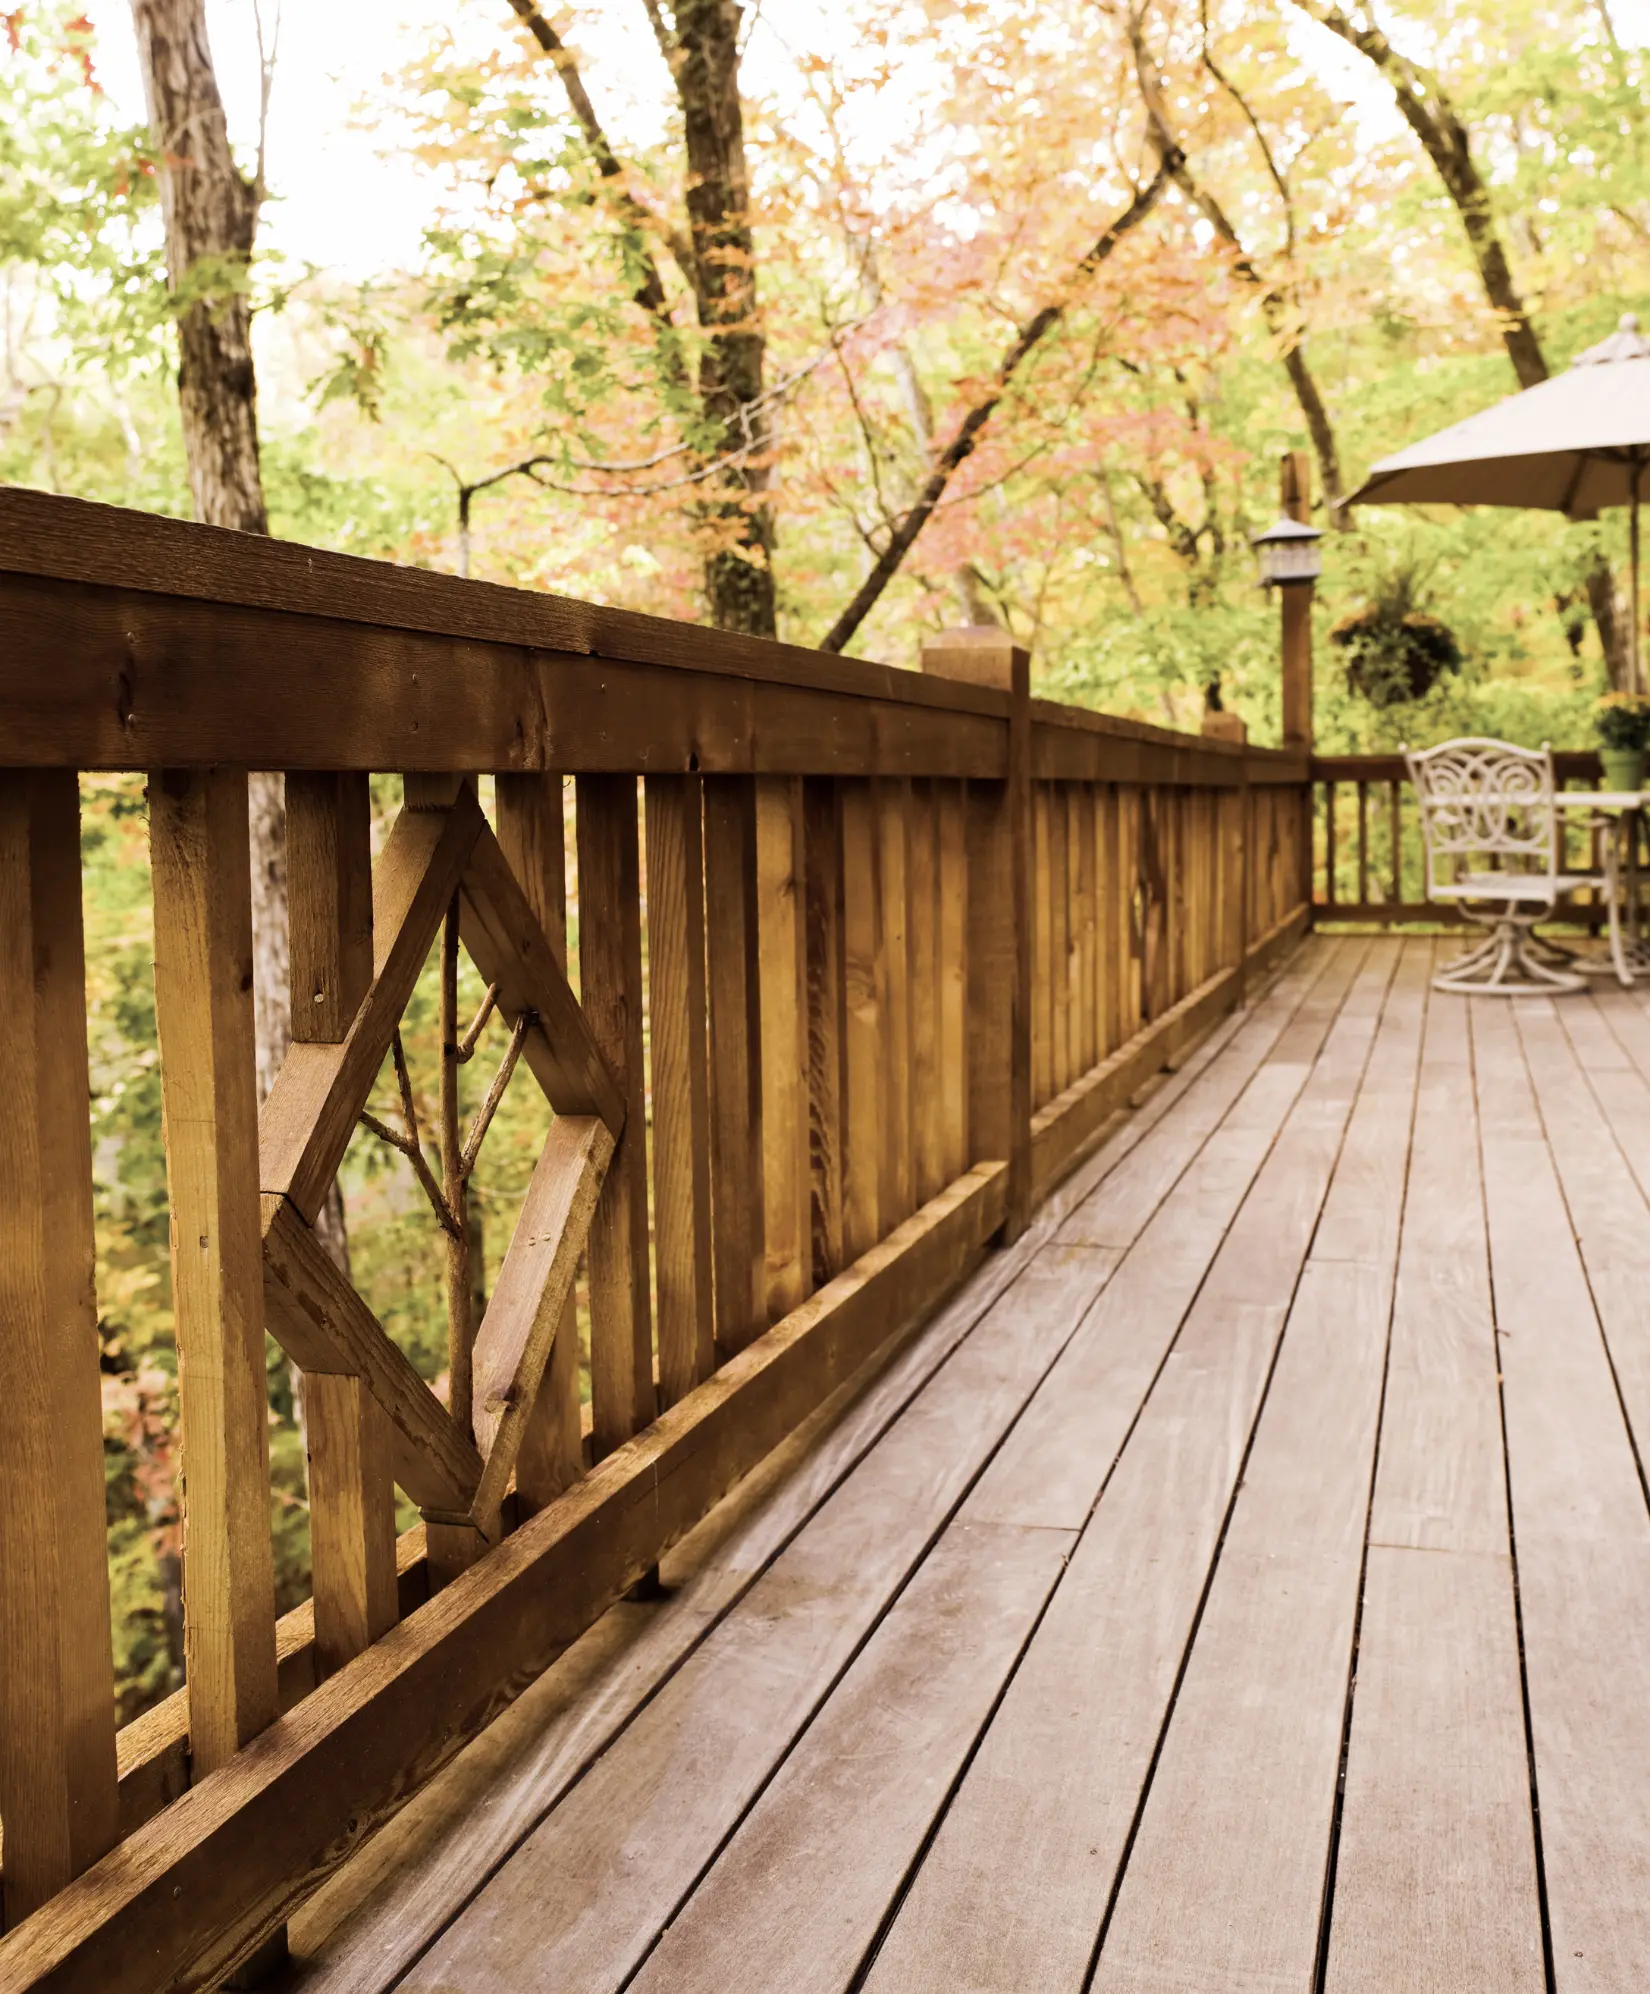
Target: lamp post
column 1291, row 561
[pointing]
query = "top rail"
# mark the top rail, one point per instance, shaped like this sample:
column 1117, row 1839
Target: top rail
column 129, row 642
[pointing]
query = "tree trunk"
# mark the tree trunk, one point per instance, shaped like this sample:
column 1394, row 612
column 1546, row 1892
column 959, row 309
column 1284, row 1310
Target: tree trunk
column 704, row 59
column 210, row 211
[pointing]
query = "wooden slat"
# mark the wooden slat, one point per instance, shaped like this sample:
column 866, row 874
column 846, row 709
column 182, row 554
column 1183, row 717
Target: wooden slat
column 1086, row 999
column 57, row 1733
column 203, row 1011
column 532, row 834
column 193, row 1892
column 1210, row 1876
column 952, row 804
column 1063, row 1797
column 863, row 1104
column 1395, row 835
column 1042, row 973
column 823, row 914
column 895, row 1196
column 329, row 902
column 737, row 1242
column 1579, row 1524
column 1059, row 952
column 351, row 1494
column 610, row 992
column 679, row 1049
column 923, row 883
column 783, row 972
column 327, row 1329
column 316, row 1101
column 530, row 1297
column 1436, row 1857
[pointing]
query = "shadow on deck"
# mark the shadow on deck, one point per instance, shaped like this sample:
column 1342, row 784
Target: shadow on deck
column 1188, row 1605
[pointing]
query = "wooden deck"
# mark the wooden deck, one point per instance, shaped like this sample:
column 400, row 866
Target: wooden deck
column 1214, row 1596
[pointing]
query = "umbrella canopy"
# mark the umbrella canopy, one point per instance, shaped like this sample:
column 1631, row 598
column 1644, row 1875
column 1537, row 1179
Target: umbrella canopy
column 1570, row 445
column 1573, row 444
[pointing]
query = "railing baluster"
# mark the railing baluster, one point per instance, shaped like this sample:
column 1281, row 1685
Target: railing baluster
column 862, row 1043
column 622, row 1398
column 782, row 960
column 922, row 865
column 351, row 1497
column 57, row 1698
column 952, row 804
column 1395, row 832
column 826, row 1024
column 532, row 833
column 1059, row 946
column 679, row 1051
column 1329, row 843
column 203, row 1009
column 1042, row 972
column 1363, row 843
column 736, row 1139
column 894, row 1002
column 1082, row 845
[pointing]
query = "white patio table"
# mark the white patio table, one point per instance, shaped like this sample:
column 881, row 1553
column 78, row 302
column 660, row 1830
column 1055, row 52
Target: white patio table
column 1620, row 811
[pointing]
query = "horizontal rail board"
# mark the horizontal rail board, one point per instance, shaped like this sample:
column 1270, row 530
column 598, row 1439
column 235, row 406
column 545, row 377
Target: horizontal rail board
column 114, row 678
column 102, row 546
column 1569, row 764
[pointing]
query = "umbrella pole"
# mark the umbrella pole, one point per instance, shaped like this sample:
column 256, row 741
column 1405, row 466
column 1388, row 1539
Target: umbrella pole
column 1638, row 675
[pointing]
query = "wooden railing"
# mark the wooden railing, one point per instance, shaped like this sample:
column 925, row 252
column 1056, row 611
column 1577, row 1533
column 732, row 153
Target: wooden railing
column 1368, row 864
column 864, row 962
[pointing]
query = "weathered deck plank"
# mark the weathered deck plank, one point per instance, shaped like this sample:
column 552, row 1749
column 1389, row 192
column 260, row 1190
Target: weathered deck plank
column 1580, row 1529
column 1226, row 1876
column 1058, row 1777
column 1435, row 1883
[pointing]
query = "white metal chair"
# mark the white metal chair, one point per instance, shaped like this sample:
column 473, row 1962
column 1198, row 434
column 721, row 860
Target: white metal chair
column 1489, row 825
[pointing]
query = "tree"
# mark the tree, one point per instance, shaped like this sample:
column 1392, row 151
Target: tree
column 210, row 210
column 1430, row 112
column 716, row 252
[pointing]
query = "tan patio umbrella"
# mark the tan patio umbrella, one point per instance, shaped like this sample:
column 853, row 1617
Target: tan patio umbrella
column 1573, row 444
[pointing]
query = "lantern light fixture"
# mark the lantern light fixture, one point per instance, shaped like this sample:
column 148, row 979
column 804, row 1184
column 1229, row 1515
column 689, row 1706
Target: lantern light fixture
column 1289, row 552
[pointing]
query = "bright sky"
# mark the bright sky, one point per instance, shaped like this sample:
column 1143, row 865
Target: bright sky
column 342, row 205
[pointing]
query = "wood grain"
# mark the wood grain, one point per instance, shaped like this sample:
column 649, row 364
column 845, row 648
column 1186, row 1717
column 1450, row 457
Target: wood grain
column 203, row 1012
column 783, row 973
column 532, row 835
column 734, row 991
column 622, row 1394
column 679, row 1048
column 57, row 1734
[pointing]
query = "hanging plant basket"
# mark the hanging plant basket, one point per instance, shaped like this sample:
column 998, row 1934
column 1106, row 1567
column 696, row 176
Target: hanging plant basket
column 1395, row 655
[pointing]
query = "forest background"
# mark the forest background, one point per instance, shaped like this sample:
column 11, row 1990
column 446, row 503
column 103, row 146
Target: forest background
column 841, row 322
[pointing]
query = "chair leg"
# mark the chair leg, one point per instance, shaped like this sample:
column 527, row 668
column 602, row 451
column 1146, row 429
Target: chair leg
column 1505, row 966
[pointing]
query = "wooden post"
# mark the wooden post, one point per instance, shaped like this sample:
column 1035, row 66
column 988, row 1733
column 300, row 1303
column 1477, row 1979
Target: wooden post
column 862, row 1025
column 532, row 833
column 999, row 918
column 681, row 1081
column 1295, row 599
column 57, row 1708
column 610, row 990
column 203, row 1009
column 351, row 1494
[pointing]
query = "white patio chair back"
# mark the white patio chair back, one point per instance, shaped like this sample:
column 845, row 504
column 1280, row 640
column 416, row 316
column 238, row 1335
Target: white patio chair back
column 1486, row 806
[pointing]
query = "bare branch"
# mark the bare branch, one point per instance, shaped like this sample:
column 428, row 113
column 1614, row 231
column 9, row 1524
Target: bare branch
column 478, row 1024
column 501, row 1079
column 963, row 443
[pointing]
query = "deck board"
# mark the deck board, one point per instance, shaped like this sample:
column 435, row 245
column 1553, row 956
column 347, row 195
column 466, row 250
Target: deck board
column 1030, row 1662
